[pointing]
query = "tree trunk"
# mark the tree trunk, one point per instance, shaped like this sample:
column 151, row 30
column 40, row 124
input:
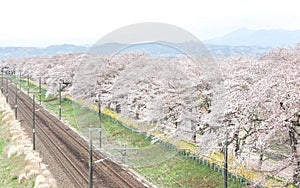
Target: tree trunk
column 261, row 157
column 296, row 176
column 295, row 158
column 237, row 144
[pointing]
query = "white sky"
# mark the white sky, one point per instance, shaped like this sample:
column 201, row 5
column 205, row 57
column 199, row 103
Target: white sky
column 46, row 22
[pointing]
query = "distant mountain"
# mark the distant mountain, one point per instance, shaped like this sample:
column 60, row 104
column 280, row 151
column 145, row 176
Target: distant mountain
column 241, row 42
column 263, row 38
column 224, row 50
column 7, row 52
column 159, row 49
column 153, row 49
column 63, row 49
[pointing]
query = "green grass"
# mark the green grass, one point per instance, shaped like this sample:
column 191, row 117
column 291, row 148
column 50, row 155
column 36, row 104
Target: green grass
column 123, row 134
column 9, row 171
column 181, row 172
column 174, row 171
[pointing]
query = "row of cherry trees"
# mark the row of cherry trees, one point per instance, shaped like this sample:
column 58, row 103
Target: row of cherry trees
column 258, row 99
column 263, row 106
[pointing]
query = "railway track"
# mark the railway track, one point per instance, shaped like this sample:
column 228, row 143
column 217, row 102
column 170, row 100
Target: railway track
column 75, row 172
column 70, row 150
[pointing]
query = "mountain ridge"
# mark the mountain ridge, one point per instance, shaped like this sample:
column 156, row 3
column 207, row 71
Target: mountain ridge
column 217, row 50
column 263, row 38
column 19, row 52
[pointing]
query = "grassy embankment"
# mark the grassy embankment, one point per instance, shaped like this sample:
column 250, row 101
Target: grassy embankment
column 11, row 167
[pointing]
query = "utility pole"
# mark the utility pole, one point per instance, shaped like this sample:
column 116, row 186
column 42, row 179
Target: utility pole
column 100, row 126
column 91, row 156
column 226, row 158
column 91, row 159
column 27, row 84
column 59, row 101
column 16, row 100
column 7, row 89
column 2, row 81
column 33, row 121
column 20, row 78
column 40, row 90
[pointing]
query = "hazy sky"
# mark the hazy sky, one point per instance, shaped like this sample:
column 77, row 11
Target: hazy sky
column 46, row 22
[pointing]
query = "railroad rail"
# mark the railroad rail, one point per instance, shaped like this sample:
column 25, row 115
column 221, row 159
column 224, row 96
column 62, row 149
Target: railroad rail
column 71, row 150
